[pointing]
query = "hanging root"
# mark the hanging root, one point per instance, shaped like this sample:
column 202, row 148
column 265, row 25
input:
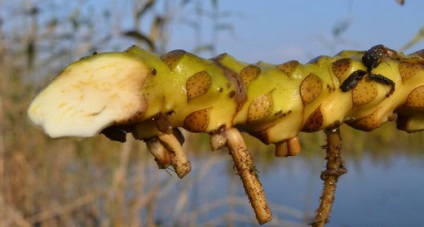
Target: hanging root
column 158, row 150
column 218, row 139
column 334, row 169
column 179, row 160
column 246, row 170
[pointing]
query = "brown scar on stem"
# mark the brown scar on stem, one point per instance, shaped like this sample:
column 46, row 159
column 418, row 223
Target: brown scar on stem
column 172, row 58
column 162, row 123
column 416, row 98
column 366, row 123
column 240, row 91
column 340, row 67
column 198, row 84
column 364, row 93
column 315, row 121
column 419, row 53
column 288, row 67
column 408, row 69
column 197, row 121
column 310, row 88
column 260, row 108
column 249, row 73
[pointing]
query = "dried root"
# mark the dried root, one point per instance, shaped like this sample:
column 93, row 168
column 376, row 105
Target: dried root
column 179, row 160
column 246, row 170
column 218, row 140
column 158, row 150
column 334, row 169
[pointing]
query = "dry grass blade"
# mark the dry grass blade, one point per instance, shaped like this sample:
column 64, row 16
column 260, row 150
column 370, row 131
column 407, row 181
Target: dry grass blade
column 10, row 216
column 63, row 209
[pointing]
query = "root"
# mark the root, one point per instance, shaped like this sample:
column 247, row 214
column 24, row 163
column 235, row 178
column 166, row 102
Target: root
column 334, row 169
column 246, row 170
column 158, row 150
column 179, row 160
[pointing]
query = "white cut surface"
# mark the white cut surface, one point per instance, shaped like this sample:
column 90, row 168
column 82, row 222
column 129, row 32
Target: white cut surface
column 90, row 95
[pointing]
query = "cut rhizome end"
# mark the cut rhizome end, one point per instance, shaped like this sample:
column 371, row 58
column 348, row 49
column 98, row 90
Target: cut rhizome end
column 90, row 95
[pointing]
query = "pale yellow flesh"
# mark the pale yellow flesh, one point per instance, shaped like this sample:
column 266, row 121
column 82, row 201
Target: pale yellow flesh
column 91, row 95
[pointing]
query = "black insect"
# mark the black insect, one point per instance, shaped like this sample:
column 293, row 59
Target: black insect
column 371, row 59
column 383, row 80
column 352, row 81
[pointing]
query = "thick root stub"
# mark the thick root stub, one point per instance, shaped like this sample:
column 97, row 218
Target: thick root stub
column 218, row 140
column 179, row 160
column 291, row 147
column 334, row 169
column 161, row 154
column 246, row 170
column 167, row 150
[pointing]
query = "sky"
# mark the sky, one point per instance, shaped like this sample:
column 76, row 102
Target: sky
column 277, row 31
column 270, row 31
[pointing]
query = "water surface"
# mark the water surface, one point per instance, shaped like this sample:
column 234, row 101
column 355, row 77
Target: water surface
column 384, row 191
